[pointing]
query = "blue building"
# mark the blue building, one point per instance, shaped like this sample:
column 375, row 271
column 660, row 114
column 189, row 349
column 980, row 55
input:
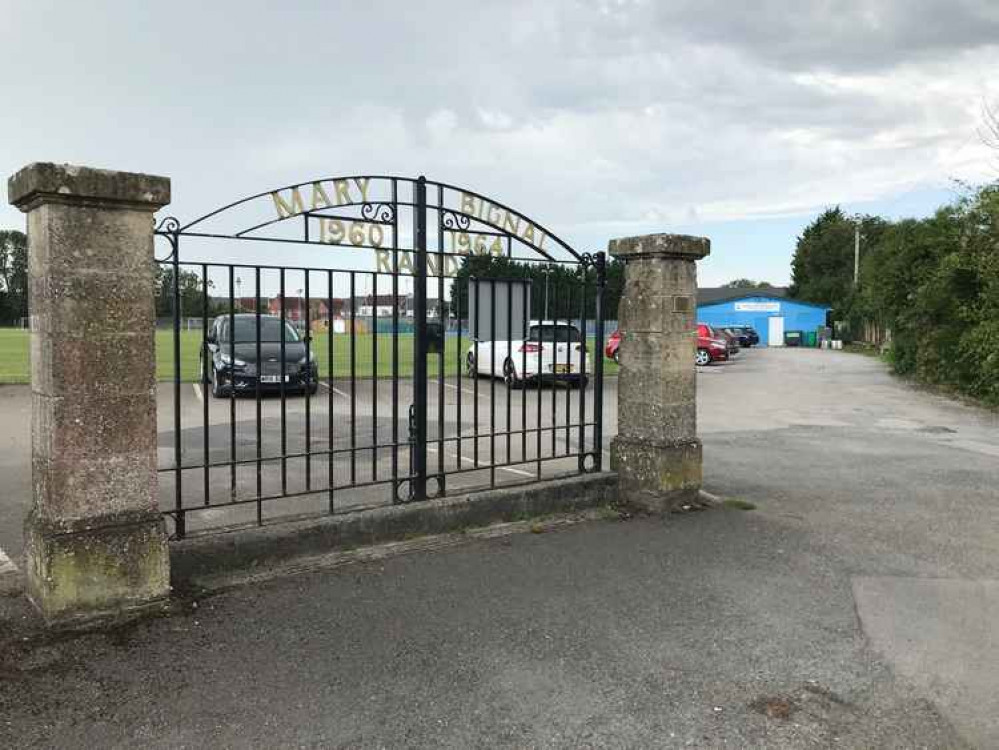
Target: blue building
column 767, row 310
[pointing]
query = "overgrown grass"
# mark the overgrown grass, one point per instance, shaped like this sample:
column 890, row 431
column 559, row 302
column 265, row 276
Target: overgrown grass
column 372, row 355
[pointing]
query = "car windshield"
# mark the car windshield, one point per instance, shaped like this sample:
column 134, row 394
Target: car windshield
column 270, row 330
column 557, row 333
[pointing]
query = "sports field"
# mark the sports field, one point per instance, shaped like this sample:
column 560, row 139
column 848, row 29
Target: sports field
column 15, row 368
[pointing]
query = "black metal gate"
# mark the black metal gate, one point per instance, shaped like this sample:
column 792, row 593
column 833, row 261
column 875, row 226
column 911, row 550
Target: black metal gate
column 362, row 380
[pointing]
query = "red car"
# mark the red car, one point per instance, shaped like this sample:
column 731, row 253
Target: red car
column 613, row 346
column 711, row 345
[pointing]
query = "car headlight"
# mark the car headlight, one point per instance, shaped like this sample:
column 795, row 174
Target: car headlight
column 229, row 360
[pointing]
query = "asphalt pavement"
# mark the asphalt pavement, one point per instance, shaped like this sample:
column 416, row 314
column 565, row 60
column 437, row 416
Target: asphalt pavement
column 854, row 606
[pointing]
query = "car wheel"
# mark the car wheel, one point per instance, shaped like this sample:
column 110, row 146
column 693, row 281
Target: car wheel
column 510, row 375
column 702, row 358
column 617, row 356
column 470, row 369
column 313, row 389
column 582, row 382
column 216, row 385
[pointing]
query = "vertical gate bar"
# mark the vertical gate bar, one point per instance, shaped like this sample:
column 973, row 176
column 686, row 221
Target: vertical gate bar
column 284, row 402
column 308, row 381
column 509, row 357
column 395, row 337
column 568, row 364
column 492, row 382
column 554, row 301
column 353, row 380
column 523, row 369
column 537, row 385
column 329, row 386
column 374, row 377
column 460, row 348
column 232, row 384
column 256, row 389
column 475, row 385
column 419, row 482
column 582, row 368
column 440, row 353
column 179, row 519
column 598, row 392
column 204, row 381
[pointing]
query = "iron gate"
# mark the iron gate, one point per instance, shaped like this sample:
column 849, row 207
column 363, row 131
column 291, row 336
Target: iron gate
column 370, row 382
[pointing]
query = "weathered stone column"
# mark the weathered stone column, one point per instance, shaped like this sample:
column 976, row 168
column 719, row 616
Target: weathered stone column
column 656, row 452
column 95, row 543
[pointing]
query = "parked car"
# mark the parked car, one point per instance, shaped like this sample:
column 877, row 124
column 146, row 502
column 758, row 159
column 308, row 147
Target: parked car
column 731, row 342
column 710, row 346
column 613, row 348
column 746, row 335
column 552, row 351
column 228, row 359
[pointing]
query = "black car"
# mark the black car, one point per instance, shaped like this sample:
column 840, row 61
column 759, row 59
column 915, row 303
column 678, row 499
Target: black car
column 230, row 363
column 746, row 335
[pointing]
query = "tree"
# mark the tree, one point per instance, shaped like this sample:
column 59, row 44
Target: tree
column 191, row 293
column 13, row 276
column 556, row 288
column 747, row 284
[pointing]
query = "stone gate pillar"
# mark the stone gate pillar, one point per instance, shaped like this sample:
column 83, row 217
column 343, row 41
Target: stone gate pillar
column 656, row 452
column 95, row 542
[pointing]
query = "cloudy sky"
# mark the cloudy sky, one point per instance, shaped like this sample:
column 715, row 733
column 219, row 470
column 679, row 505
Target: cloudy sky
column 598, row 119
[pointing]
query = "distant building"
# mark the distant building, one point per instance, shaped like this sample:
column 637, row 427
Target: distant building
column 769, row 310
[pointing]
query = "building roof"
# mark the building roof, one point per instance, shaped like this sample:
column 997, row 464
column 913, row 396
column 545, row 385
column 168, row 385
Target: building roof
column 717, row 295
column 712, row 294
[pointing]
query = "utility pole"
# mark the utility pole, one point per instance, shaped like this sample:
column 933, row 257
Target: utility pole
column 856, row 254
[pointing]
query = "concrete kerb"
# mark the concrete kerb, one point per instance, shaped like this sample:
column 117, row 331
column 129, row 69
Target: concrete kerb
column 246, row 550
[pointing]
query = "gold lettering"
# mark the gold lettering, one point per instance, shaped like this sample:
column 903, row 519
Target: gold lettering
column 489, row 216
column 497, row 247
column 433, row 264
column 528, row 236
column 319, row 197
column 467, row 204
column 384, row 261
column 342, row 192
column 511, row 223
column 284, row 209
column 362, row 185
column 453, row 265
column 405, row 263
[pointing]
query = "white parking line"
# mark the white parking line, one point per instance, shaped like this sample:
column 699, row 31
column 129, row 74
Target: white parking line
column 197, row 391
column 6, row 564
column 335, row 390
column 481, row 466
column 469, row 391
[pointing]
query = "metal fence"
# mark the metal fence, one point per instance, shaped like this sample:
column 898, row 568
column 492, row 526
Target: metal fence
column 322, row 410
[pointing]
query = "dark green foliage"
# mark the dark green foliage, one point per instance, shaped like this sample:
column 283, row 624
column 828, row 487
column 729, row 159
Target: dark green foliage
column 561, row 284
column 934, row 283
column 746, row 284
column 13, row 276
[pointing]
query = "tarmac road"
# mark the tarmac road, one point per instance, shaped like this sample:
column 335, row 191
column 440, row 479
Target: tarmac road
column 855, row 607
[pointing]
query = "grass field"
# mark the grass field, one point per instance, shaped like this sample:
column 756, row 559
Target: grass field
column 15, row 368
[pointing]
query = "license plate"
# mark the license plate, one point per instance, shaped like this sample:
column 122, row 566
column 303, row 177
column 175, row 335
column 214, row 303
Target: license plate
column 561, row 369
column 272, row 378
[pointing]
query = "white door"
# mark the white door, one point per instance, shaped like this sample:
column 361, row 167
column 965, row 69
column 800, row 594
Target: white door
column 775, row 331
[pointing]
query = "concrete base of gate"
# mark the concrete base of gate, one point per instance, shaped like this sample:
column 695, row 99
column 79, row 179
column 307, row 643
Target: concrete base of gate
column 657, row 478
column 82, row 572
column 198, row 558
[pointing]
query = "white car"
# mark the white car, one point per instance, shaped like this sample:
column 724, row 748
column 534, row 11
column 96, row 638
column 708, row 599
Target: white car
column 553, row 350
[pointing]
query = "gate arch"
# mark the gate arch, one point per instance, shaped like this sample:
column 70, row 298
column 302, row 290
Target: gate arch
column 419, row 233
